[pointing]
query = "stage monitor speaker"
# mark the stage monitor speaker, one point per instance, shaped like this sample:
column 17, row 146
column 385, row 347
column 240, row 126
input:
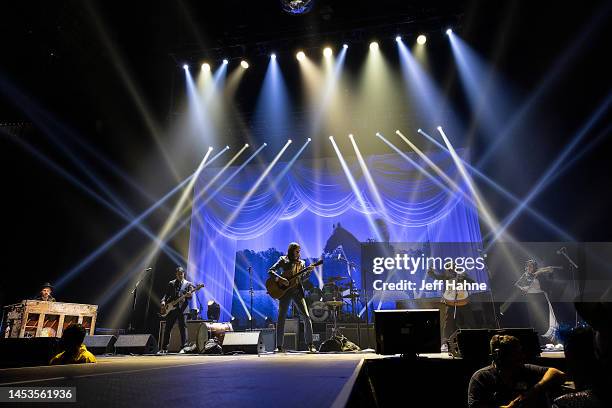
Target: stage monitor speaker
column 474, row 344
column 243, row 342
column 268, row 336
column 100, row 343
column 407, row 332
column 136, row 344
column 28, row 352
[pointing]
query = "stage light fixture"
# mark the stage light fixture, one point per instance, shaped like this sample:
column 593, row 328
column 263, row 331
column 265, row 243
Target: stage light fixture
column 296, row 6
column 331, row 138
column 300, row 56
column 373, row 46
column 214, row 310
column 309, row 139
column 289, row 141
column 350, row 135
column 273, row 56
column 185, row 66
column 327, row 52
column 244, row 64
column 398, row 38
column 449, row 31
column 421, row 39
column 225, row 62
column 246, row 145
column 205, row 67
column 226, row 147
column 345, row 46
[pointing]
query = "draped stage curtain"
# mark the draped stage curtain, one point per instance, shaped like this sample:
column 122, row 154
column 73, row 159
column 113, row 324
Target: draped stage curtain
column 414, row 206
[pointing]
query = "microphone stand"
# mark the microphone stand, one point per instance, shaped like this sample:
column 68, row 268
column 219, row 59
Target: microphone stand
column 131, row 326
column 349, row 265
column 251, row 292
column 573, row 267
column 495, row 316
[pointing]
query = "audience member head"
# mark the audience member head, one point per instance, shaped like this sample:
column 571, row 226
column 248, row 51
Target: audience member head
column 507, row 352
column 73, row 337
column 580, row 357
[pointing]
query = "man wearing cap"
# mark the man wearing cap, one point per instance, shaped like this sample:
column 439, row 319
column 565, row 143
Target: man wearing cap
column 176, row 288
column 45, row 293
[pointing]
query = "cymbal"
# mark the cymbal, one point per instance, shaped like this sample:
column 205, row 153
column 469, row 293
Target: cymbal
column 334, row 303
column 336, row 278
column 351, row 296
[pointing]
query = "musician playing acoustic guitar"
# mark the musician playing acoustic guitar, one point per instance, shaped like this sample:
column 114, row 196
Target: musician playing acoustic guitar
column 289, row 266
column 455, row 309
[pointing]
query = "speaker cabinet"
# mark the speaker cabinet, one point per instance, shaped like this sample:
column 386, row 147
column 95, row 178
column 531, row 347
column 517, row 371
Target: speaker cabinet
column 136, row 344
column 474, row 344
column 243, row 342
column 100, row 343
column 28, row 352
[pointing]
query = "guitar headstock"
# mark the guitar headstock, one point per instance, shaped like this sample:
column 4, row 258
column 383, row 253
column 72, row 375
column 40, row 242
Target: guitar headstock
column 199, row 286
column 317, row 263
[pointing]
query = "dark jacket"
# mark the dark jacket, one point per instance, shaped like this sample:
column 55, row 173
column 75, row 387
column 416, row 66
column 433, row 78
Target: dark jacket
column 286, row 269
column 173, row 291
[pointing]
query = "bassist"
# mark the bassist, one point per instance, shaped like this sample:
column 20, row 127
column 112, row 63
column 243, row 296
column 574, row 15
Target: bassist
column 175, row 289
column 282, row 272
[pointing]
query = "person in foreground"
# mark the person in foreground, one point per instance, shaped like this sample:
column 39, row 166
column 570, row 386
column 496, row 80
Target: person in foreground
column 75, row 351
column 509, row 382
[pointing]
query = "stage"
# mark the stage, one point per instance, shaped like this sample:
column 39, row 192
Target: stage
column 288, row 379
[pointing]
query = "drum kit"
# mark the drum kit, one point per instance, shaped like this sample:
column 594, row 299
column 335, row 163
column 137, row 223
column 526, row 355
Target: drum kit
column 336, row 299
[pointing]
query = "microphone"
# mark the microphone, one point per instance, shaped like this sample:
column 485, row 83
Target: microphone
column 339, row 256
column 561, row 251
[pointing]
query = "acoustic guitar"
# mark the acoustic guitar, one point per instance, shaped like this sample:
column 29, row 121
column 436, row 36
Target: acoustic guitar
column 278, row 289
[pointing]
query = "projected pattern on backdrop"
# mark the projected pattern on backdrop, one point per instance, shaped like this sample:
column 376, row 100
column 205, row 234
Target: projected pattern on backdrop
column 313, row 203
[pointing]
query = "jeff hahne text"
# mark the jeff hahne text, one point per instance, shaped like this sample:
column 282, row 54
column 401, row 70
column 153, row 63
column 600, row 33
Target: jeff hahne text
column 462, row 267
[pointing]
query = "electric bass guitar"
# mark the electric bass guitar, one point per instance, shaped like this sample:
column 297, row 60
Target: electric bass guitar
column 278, row 289
column 170, row 306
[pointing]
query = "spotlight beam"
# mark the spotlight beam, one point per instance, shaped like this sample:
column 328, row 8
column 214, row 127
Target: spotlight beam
column 131, row 87
column 484, row 208
column 355, row 188
column 262, row 177
column 72, row 272
column 554, row 166
column 149, row 253
column 497, row 187
column 554, row 73
column 368, row 177
column 75, row 181
column 420, row 168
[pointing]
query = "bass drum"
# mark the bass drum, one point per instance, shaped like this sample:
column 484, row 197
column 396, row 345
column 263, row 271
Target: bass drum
column 319, row 312
column 209, row 330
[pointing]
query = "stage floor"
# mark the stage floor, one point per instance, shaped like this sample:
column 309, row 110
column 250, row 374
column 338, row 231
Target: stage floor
column 267, row 380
